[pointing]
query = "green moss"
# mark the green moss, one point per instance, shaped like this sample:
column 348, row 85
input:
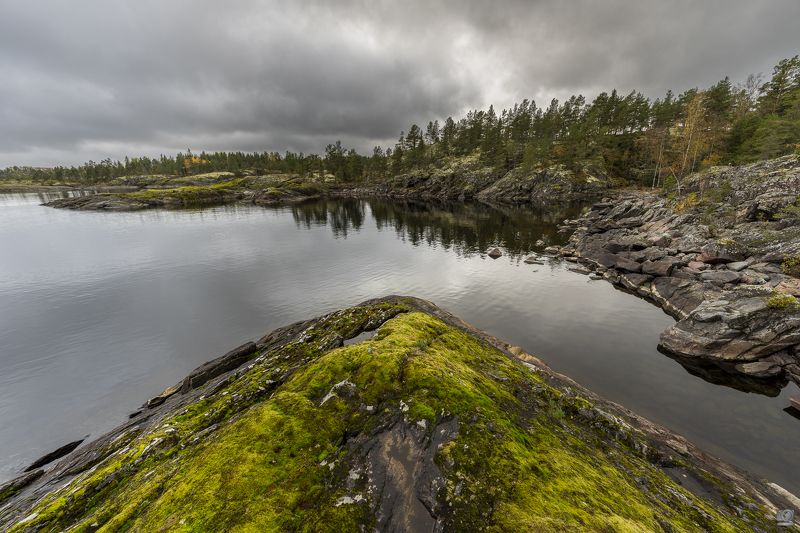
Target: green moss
column 188, row 195
column 791, row 266
column 271, row 455
column 783, row 302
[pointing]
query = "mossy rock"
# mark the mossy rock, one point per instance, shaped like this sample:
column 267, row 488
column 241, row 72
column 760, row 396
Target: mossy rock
column 426, row 425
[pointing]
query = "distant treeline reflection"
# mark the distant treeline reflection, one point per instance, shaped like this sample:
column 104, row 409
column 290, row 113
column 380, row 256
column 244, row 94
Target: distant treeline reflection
column 466, row 228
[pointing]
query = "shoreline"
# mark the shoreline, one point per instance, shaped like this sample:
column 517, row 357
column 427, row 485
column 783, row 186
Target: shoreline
column 662, row 448
column 730, row 286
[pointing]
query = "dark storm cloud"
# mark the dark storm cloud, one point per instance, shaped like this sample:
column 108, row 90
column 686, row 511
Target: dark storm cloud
column 95, row 79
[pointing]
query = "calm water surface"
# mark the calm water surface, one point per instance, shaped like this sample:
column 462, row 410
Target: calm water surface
column 99, row 311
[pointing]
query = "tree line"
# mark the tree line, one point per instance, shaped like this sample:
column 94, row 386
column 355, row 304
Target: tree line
column 647, row 142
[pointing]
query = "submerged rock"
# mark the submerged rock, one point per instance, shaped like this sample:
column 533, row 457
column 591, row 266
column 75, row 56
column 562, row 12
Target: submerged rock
column 427, row 425
column 55, row 454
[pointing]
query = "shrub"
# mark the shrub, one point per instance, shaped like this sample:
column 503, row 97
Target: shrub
column 781, row 301
column 791, row 266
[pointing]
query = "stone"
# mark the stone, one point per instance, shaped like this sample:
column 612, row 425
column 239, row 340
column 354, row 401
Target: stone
column 634, row 281
column 161, row 398
column 738, row 266
column 649, row 254
column 715, row 253
column 697, row 265
column 222, row 364
column 494, row 253
column 773, row 257
column 736, row 326
column 533, row 260
column 623, row 263
column 720, row 277
column 789, row 286
column 660, row 240
column 662, row 267
column 677, row 296
column 18, row 483
column 759, row 369
column 751, row 277
column 56, row 454
column 579, row 270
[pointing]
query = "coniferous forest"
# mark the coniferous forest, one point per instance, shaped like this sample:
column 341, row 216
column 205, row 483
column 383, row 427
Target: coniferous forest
column 644, row 142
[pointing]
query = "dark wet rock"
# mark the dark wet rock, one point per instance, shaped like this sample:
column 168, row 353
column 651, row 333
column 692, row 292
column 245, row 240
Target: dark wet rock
column 218, row 366
column 55, row 454
column 494, row 253
column 402, row 468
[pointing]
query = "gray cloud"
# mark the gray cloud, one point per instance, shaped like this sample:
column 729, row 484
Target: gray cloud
column 106, row 78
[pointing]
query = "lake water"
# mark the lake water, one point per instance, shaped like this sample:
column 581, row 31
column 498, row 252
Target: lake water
column 100, row 311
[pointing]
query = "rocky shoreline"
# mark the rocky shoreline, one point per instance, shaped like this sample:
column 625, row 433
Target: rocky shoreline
column 418, row 421
column 723, row 258
column 463, row 181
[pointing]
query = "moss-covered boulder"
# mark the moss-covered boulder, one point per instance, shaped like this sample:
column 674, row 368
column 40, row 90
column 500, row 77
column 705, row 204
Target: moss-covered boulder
column 423, row 424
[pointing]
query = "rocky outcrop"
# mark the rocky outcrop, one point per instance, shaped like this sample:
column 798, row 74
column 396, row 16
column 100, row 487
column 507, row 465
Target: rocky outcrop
column 135, row 193
column 715, row 258
column 427, row 425
column 99, row 202
column 467, row 179
column 547, row 185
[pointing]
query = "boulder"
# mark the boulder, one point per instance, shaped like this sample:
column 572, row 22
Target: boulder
column 494, row 253
column 720, row 277
column 628, row 265
column 737, row 326
column 738, row 266
column 660, row 240
column 677, row 296
column 716, row 253
column 662, row 267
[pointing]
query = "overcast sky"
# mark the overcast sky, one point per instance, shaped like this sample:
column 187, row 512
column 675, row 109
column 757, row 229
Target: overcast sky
column 86, row 79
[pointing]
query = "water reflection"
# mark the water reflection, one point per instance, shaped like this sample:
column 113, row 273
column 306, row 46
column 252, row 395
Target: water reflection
column 101, row 310
column 466, row 229
column 724, row 374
